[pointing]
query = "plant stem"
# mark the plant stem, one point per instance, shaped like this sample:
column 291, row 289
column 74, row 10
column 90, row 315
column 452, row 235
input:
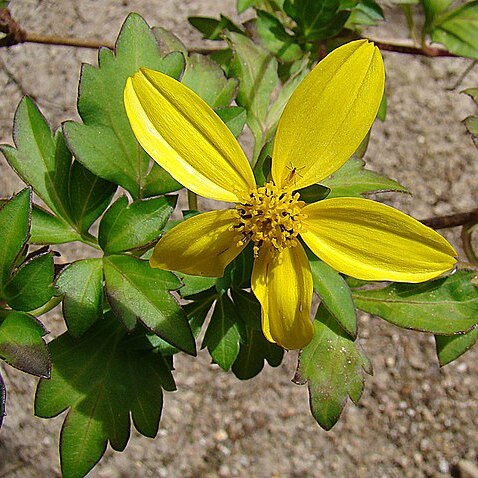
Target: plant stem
column 16, row 35
column 50, row 305
column 452, row 220
column 66, row 41
column 90, row 240
column 192, row 201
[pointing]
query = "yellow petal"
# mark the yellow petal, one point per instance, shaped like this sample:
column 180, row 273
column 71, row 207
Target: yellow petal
column 328, row 115
column 202, row 245
column 283, row 285
column 372, row 241
column 184, row 136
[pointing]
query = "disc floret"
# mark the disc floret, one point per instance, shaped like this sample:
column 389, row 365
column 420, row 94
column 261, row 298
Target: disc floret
column 269, row 216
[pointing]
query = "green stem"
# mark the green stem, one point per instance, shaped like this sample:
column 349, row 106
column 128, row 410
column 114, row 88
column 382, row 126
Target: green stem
column 192, row 201
column 407, row 10
column 51, row 304
column 90, row 240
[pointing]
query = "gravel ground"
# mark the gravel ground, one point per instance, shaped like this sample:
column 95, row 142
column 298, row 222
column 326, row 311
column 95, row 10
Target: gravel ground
column 414, row 420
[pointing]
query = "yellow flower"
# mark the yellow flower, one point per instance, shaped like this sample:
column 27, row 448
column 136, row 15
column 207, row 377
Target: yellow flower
column 323, row 123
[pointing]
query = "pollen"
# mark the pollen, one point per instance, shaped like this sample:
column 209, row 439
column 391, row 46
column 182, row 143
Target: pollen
column 269, row 216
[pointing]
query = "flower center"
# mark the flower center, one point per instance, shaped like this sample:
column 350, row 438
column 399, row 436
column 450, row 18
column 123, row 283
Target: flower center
column 269, row 216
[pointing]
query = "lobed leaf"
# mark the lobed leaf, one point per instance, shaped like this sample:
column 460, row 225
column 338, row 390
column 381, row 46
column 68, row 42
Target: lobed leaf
column 332, row 365
column 75, row 195
column 105, row 143
column 443, row 306
column 100, row 380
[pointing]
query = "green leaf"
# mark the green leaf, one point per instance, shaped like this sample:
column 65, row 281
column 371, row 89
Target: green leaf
column 275, row 38
column 335, row 294
column 254, row 349
column 223, row 335
column 168, row 41
column 316, row 19
column 457, row 29
column 213, row 29
column 100, row 380
column 15, row 226
column 194, row 285
column 31, row 285
column 240, row 269
column 40, row 158
column 125, row 226
column 250, row 360
column 135, row 291
column 49, row 229
column 89, row 196
column 105, row 143
column 364, row 13
column 206, row 78
column 333, row 365
column 432, row 8
column 256, row 70
column 243, row 5
column 262, row 168
column 235, row 118
column 353, row 180
column 450, row 347
column 442, row 306
column 81, row 283
column 314, row 193
column 159, row 182
column 248, row 307
column 381, row 113
column 22, row 345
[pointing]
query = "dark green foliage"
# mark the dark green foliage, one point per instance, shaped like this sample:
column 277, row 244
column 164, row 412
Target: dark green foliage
column 100, row 381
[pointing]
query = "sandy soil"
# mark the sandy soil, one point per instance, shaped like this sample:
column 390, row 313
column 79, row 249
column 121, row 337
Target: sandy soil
column 414, row 419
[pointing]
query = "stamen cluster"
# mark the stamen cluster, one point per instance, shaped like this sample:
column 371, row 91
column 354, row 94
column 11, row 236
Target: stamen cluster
column 269, row 216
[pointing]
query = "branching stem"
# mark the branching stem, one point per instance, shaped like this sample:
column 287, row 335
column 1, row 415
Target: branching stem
column 16, row 35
